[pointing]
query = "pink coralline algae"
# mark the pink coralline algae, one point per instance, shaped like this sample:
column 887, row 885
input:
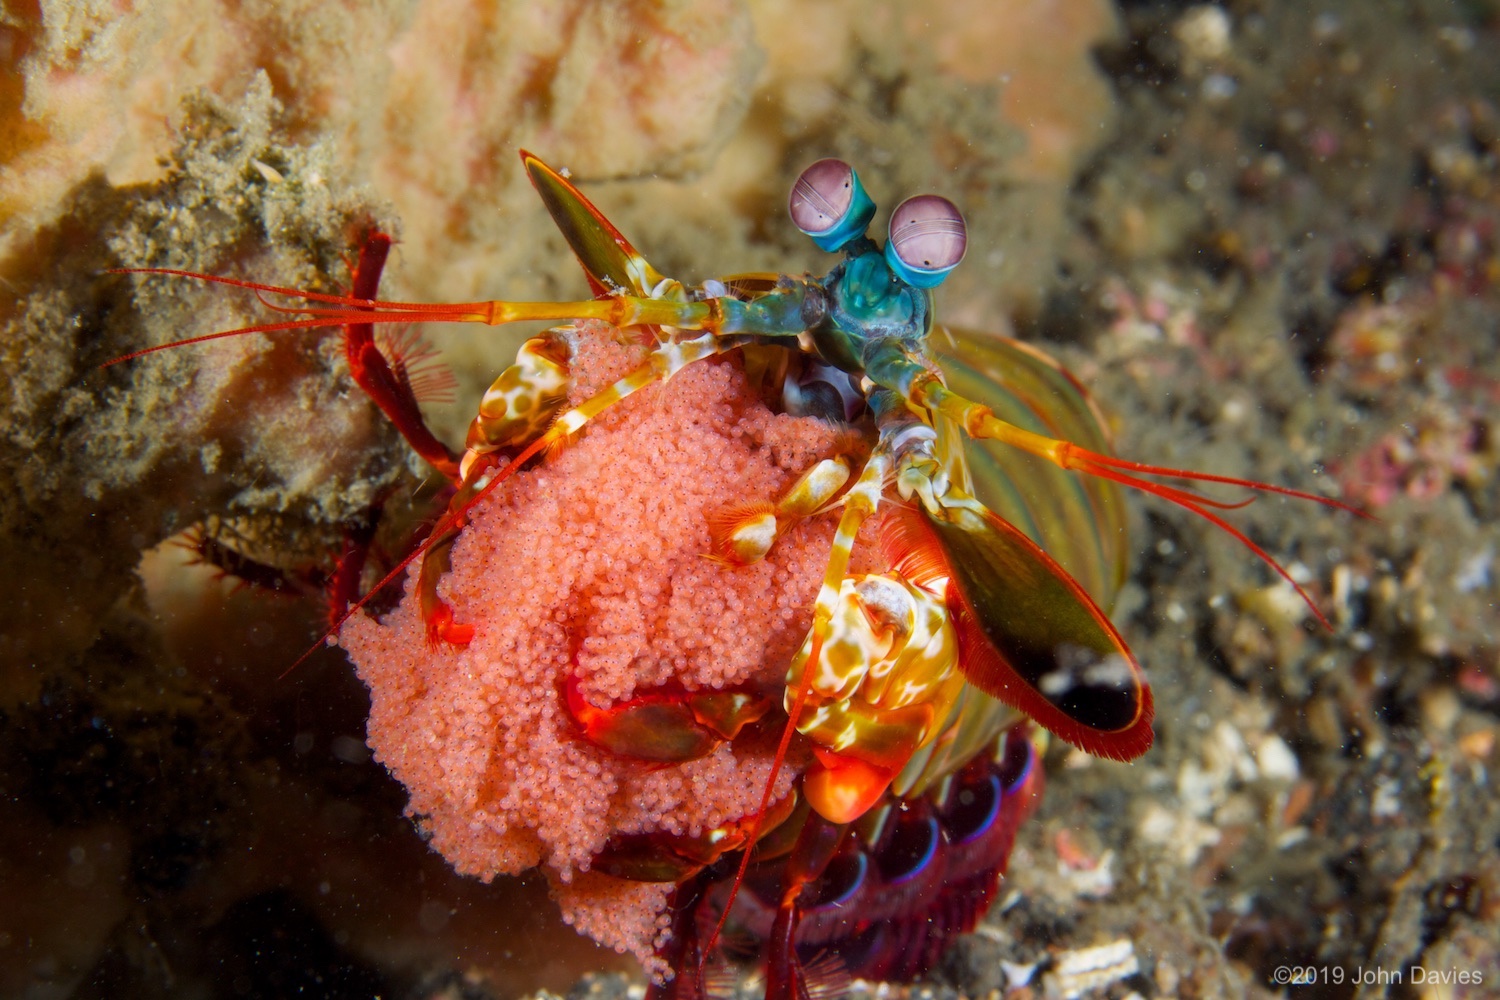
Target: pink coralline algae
column 1440, row 445
column 591, row 566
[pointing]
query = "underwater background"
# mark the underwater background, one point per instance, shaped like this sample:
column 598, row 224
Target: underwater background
column 1265, row 234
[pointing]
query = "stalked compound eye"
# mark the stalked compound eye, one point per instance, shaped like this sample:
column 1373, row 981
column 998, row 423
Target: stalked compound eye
column 928, row 238
column 829, row 204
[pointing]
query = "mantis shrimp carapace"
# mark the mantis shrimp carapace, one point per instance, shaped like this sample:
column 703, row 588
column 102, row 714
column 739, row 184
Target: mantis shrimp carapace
column 953, row 522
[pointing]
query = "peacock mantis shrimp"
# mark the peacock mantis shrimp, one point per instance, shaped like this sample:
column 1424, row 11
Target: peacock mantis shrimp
column 914, row 710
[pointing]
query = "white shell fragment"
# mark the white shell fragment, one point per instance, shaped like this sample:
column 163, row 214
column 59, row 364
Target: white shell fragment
column 1075, row 973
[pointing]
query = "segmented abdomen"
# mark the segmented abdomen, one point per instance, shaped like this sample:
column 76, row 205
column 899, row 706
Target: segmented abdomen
column 917, row 873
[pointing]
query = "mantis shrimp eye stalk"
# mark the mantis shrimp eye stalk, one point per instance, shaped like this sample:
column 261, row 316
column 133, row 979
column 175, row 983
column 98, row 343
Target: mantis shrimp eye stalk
column 928, row 240
column 829, row 204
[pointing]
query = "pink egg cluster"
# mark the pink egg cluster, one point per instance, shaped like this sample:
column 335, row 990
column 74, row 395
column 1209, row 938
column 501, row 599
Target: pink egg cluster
column 592, row 565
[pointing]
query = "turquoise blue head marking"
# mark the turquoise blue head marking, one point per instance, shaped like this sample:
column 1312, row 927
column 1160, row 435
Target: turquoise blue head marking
column 869, row 292
column 830, row 204
column 927, row 234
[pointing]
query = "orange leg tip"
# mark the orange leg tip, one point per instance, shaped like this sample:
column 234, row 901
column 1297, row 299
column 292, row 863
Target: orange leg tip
column 443, row 630
column 458, row 635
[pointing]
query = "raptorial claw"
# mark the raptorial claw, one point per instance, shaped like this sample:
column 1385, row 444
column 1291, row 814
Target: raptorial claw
column 1029, row 635
column 666, row 724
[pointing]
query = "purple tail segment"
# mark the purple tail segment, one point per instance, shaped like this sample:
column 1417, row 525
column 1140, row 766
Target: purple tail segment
column 891, row 908
column 881, row 910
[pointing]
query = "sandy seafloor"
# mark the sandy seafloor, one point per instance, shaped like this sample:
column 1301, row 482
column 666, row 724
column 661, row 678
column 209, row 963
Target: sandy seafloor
column 1266, row 235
